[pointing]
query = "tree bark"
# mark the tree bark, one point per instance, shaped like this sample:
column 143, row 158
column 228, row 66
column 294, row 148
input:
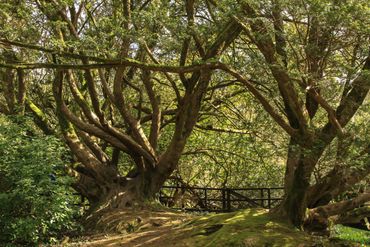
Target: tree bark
column 317, row 218
column 303, row 162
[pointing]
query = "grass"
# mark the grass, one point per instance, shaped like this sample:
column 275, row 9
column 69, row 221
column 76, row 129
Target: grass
column 351, row 234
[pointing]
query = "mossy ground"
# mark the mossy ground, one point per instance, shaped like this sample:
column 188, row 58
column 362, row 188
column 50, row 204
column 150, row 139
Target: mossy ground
column 248, row 228
column 253, row 227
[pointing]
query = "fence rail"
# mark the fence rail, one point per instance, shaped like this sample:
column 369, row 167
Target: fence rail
column 219, row 199
column 215, row 199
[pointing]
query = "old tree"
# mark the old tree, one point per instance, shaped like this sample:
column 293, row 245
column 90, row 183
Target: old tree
column 128, row 80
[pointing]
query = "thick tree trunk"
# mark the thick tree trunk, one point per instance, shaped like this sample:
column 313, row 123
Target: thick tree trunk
column 122, row 193
column 295, row 203
column 300, row 164
column 292, row 162
column 300, row 196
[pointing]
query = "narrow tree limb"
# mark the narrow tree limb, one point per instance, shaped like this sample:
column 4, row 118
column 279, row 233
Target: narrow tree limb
column 9, row 90
column 280, row 39
column 83, row 154
column 115, row 64
column 223, row 130
column 352, row 101
column 21, row 94
column 105, row 86
column 349, row 103
column 39, row 117
column 93, row 130
column 324, row 104
column 266, row 105
column 169, row 78
column 4, row 108
column 94, row 147
column 124, row 110
column 93, row 93
column 115, row 157
column 292, row 102
column 103, row 63
column 149, row 117
column 156, row 115
column 316, row 98
column 106, row 132
column 79, row 98
column 129, row 146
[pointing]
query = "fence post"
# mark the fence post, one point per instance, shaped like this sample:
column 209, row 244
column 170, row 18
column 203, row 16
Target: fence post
column 205, row 198
column 269, row 197
column 228, row 200
column 182, row 201
column 223, row 199
column 262, row 198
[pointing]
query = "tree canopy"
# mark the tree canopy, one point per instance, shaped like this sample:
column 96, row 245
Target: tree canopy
column 141, row 89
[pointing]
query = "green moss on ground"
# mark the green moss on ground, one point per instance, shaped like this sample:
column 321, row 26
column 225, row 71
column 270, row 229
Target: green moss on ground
column 252, row 227
column 247, row 228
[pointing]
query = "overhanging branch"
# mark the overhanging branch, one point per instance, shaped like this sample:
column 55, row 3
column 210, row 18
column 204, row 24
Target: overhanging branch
column 124, row 62
column 100, row 62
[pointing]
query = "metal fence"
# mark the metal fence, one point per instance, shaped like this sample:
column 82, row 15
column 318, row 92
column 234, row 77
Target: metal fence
column 219, row 199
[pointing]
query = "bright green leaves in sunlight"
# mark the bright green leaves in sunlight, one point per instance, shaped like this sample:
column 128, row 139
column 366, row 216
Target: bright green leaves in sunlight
column 36, row 202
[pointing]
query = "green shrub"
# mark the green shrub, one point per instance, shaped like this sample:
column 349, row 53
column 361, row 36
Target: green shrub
column 36, row 202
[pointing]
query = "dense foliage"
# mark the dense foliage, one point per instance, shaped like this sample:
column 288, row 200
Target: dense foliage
column 223, row 93
column 36, row 201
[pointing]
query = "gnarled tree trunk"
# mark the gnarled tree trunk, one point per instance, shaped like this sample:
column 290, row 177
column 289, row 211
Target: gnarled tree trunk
column 308, row 140
column 86, row 126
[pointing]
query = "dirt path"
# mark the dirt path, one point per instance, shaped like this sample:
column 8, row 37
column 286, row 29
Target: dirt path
column 147, row 228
